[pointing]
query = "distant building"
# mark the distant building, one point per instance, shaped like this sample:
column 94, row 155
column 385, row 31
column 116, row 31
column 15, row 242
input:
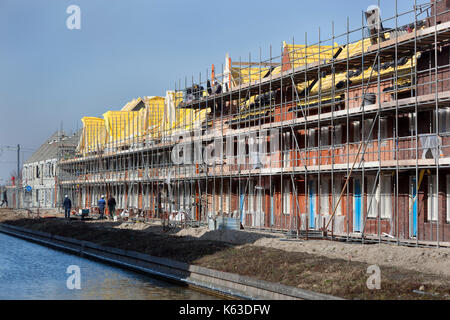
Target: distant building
column 40, row 171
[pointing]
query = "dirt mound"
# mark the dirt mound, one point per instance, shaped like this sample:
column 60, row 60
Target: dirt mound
column 236, row 237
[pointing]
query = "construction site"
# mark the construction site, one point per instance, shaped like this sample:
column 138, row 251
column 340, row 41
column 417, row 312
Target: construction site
column 347, row 138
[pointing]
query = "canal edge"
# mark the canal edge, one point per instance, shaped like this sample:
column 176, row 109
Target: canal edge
column 222, row 284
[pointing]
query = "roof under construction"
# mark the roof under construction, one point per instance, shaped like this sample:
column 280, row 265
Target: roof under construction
column 356, row 128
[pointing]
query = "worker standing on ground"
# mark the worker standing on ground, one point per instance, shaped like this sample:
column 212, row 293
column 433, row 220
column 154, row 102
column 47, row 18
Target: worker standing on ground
column 112, row 207
column 5, row 198
column 67, row 206
column 101, row 206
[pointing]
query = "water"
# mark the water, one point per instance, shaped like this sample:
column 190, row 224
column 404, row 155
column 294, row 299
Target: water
column 30, row 271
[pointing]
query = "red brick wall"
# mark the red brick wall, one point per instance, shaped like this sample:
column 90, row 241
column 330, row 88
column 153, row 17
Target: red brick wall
column 355, row 95
column 426, row 76
column 426, row 62
column 428, row 230
column 286, row 61
column 440, row 9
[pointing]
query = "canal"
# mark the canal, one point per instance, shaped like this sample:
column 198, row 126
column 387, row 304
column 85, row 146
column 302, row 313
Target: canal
column 30, row 271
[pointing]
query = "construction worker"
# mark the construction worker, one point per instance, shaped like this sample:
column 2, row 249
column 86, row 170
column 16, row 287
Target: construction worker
column 67, row 206
column 101, row 206
column 112, row 207
column 5, row 198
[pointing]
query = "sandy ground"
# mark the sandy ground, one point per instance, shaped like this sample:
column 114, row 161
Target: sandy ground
column 435, row 261
column 427, row 260
column 336, row 268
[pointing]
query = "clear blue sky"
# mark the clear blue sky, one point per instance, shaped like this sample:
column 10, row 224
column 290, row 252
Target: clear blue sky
column 131, row 48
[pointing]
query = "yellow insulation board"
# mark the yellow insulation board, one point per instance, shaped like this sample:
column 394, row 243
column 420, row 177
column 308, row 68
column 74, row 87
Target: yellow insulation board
column 123, row 125
column 326, row 83
column 153, row 116
column 299, row 55
column 186, row 119
column 354, row 49
column 246, row 75
column 94, row 134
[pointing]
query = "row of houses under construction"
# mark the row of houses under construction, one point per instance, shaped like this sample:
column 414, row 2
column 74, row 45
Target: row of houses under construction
column 349, row 135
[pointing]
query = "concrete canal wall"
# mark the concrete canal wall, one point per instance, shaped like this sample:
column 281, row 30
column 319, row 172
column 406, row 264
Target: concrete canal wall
column 227, row 285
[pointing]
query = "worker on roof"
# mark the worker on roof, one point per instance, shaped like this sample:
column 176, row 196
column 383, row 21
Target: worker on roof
column 101, row 206
column 67, row 204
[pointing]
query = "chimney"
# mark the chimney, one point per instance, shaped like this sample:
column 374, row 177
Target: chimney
column 373, row 18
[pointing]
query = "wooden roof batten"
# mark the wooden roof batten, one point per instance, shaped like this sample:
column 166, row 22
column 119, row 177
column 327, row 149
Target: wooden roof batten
column 404, row 45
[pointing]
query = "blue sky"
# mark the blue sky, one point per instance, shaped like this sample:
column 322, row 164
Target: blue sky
column 131, row 48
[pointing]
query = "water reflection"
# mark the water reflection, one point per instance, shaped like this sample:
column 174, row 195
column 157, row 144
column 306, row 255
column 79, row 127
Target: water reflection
column 30, row 271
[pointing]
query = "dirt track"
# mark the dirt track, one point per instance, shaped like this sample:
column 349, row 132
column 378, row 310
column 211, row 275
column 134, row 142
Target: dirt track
column 328, row 267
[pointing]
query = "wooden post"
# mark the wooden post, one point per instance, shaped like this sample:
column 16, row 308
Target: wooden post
column 307, row 226
column 332, row 230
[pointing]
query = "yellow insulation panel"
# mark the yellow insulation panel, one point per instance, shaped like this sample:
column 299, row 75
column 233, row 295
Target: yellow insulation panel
column 123, row 125
column 245, row 104
column 326, row 83
column 354, row 49
column 314, row 101
column 401, row 70
column 276, row 71
column 179, row 120
column 186, row 119
column 94, row 134
column 153, row 116
column 299, row 55
column 246, row 75
column 189, row 119
column 357, row 48
column 248, row 102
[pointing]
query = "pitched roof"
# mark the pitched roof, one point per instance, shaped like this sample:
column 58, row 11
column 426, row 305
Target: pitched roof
column 248, row 74
column 299, row 55
column 50, row 149
column 134, row 105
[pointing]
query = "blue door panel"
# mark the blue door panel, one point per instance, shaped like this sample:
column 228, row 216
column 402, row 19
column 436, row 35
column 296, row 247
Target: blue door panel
column 414, row 211
column 312, row 222
column 358, row 198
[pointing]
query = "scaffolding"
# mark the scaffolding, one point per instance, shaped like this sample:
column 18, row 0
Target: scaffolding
column 347, row 138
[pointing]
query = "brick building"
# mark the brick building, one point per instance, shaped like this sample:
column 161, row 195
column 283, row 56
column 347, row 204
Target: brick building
column 344, row 137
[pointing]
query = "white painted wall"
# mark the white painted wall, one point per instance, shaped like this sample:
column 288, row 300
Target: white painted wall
column 40, row 176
